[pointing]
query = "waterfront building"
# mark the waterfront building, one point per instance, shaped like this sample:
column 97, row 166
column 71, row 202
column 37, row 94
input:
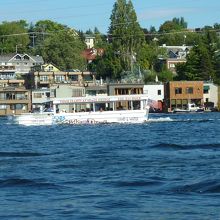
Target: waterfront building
column 155, row 92
column 125, row 89
column 74, row 77
column 14, row 97
column 66, row 91
column 41, row 99
column 98, row 88
column 210, row 95
column 7, row 71
column 177, row 94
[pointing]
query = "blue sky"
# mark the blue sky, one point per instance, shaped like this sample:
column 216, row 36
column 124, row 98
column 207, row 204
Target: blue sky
column 87, row 14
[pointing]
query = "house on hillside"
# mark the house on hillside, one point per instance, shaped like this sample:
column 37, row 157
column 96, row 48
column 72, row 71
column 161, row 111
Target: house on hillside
column 90, row 41
column 47, row 67
column 21, row 63
column 175, row 55
column 91, row 54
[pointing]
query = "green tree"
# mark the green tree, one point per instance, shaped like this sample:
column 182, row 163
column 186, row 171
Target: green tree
column 174, row 25
column 217, row 67
column 165, row 76
column 148, row 55
column 198, row 66
column 100, row 39
column 125, row 33
column 42, row 30
column 14, row 36
column 64, row 49
column 174, row 32
column 108, row 66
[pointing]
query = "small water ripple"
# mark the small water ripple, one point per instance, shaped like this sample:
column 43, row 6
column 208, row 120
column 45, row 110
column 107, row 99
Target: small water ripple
column 27, row 183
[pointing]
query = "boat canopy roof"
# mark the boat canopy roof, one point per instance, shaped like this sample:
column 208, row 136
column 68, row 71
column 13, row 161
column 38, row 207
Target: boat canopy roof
column 99, row 99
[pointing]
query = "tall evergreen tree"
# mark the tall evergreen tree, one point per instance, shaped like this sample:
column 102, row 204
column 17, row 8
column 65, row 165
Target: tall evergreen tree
column 198, row 65
column 125, row 33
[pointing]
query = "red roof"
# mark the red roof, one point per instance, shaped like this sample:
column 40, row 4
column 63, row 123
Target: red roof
column 91, row 53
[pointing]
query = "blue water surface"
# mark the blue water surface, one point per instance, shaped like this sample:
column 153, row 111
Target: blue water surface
column 168, row 168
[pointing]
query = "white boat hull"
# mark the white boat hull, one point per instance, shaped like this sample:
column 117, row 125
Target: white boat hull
column 128, row 116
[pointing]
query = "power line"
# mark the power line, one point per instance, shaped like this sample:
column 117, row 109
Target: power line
column 115, row 36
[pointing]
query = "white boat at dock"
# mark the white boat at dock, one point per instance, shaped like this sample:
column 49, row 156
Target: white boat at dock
column 191, row 107
column 113, row 111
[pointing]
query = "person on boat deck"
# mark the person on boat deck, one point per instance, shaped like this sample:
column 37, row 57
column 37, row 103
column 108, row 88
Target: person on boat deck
column 101, row 109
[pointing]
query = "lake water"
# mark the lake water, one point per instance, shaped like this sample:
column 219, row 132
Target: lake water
column 168, row 168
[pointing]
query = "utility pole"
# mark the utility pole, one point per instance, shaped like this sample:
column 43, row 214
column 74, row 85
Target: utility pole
column 16, row 47
column 33, row 41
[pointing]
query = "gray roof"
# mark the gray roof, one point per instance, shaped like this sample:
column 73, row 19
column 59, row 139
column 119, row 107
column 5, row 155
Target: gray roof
column 7, row 57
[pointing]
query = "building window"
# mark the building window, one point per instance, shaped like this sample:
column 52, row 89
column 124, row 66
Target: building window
column 78, row 92
column 73, row 77
column 179, row 103
column 19, row 106
column 50, row 68
column 205, row 91
column 59, row 78
column 37, row 95
column 2, row 96
column 189, row 90
column 53, row 93
column 26, row 57
column 20, row 96
column 3, row 106
column 178, row 90
column 18, row 57
column 172, row 65
column 12, row 107
column 44, row 78
column 159, row 92
column 87, row 78
column 173, row 103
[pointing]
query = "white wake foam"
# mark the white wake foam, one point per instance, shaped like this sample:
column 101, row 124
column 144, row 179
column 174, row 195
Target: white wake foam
column 161, row 119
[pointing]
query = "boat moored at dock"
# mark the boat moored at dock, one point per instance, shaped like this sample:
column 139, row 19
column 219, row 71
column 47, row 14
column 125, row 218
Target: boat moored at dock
column 191, row 107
